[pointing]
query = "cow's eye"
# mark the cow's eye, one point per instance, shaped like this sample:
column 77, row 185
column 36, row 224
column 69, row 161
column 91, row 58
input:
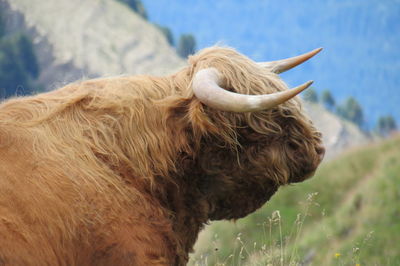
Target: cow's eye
column 293, row 146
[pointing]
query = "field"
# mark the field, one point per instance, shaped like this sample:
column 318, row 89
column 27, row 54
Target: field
column 347, row 214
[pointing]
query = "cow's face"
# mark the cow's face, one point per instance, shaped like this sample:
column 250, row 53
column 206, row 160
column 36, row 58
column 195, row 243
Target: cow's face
column 239, row 181
column 259, row 145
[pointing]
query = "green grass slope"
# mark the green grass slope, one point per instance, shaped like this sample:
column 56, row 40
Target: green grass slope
column 348, row 214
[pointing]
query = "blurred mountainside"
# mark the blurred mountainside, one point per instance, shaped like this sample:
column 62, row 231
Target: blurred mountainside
column 79, row 39
column 75, row 39
column 361, row 40
column 338, row 134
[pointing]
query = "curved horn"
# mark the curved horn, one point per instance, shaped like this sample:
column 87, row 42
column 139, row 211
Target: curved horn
column 207, row 90
column 283, row 65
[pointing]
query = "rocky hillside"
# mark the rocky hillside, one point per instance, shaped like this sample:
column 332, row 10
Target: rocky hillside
column 338, row 134
column 78, row 39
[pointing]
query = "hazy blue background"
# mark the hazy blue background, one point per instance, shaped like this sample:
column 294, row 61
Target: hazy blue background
column 361, row 40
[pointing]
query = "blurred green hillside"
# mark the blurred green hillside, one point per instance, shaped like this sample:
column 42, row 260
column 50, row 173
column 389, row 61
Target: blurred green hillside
column 347, row 214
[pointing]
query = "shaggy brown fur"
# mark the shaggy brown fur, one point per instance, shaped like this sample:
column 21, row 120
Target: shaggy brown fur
column 127, row 170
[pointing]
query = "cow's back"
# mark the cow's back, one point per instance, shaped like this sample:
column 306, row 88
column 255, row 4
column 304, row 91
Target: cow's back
column 62, row 200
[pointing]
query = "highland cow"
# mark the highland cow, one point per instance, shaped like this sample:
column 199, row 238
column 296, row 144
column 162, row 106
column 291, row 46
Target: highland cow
column 127, row 170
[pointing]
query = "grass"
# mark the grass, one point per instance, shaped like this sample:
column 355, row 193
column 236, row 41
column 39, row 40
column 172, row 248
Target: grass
column 348, row 214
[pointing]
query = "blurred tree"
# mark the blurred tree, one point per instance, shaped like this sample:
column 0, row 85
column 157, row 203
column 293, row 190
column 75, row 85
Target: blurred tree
column 310, row 95
column 27, row 56
column 352, row 111
column 186, row 45
column 18, row 66
column 2, row 24
column 137, row 6
column 13, row 77
column 327, row 100
column 167, row 33
column 2, row 93
column 386, row 125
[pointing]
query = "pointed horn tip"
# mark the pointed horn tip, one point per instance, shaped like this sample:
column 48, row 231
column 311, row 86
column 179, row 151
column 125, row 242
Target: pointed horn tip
column 316, row 51
column 306, row 85
column 313, row 53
